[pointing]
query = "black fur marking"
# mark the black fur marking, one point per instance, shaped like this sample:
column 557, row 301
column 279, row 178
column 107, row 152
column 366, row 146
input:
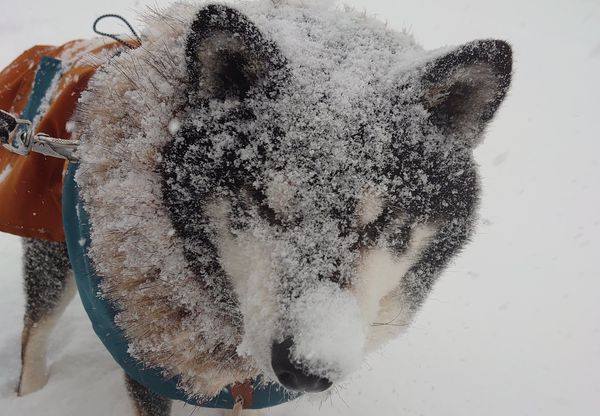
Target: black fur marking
column 493, row 54
column 234, row 76
column 448, row 201
column 370, row 233
column 146, row 403
column 265, row 211
column 187, row 213
column 45, row 269
column 238, row 68
column 452, row 206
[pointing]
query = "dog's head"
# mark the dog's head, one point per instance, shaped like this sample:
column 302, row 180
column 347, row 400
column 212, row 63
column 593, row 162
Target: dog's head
column 274, row 189
column 322, row 196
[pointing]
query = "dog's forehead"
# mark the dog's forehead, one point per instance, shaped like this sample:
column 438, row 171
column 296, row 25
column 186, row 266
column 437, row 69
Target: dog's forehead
column 346, row 116
column 332, row 41
column 341, row 61
column 331, row 127
column 322, row 132
column 318, row 165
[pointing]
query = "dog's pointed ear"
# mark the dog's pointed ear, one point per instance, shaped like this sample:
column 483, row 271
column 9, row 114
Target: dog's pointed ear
column 463, row 89
column 227, row 55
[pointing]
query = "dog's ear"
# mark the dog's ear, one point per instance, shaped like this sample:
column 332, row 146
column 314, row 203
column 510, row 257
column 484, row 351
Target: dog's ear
column 227, row 55
column 464, row 88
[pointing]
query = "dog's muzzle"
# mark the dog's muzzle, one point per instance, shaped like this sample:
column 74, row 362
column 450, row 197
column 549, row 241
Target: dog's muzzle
column 291, row 374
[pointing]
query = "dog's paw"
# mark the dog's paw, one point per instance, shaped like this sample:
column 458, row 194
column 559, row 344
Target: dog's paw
column 34, row 371
column 31, row 380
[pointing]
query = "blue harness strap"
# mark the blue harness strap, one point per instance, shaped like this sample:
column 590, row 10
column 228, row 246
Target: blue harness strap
column 47, row 73
column 49, row 69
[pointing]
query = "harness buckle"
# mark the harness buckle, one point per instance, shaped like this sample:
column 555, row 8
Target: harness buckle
column 16, row 135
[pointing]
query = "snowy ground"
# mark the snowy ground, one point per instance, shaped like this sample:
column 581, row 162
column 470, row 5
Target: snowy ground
column 513, row 328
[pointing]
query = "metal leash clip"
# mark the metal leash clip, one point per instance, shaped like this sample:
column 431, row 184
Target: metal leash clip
column 17, row 136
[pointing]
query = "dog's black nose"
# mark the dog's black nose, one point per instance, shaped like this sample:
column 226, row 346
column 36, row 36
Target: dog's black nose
column 291, row 375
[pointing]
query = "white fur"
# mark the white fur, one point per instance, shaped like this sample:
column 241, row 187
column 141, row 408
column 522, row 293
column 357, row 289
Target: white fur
column 378, row 284
column 246, row 260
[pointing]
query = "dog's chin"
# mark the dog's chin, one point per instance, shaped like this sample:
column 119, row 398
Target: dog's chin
column 260, row 355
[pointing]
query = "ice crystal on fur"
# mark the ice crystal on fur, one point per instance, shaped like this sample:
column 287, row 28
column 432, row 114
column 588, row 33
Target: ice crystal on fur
column 241, row 223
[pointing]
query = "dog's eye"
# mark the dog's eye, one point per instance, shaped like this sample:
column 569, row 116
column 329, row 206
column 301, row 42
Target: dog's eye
column 264, row 210
column 370, row 233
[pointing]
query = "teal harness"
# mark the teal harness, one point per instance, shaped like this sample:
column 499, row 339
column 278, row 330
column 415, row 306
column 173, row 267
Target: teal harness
column 100, row 311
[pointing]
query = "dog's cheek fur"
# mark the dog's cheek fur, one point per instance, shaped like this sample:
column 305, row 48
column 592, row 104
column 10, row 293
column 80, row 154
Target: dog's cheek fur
column 378, row 286
column 247, row 262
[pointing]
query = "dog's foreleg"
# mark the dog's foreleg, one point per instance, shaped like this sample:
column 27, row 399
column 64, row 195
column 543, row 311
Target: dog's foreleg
column 49, row 286
column 145, row 402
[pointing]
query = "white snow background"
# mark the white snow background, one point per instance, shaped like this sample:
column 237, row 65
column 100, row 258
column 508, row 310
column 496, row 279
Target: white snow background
column 512, row 328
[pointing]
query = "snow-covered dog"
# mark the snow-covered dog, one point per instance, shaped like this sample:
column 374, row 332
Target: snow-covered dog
column 268, row 185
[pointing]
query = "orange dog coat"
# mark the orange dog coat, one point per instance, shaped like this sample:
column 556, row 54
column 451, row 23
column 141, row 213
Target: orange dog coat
column 31, row 186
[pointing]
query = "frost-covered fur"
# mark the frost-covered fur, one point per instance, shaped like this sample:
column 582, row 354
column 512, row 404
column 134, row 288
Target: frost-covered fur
column 49, row 286
column 288, row 170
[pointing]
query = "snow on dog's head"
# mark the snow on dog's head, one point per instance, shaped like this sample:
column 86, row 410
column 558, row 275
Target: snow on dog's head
column 319, row 179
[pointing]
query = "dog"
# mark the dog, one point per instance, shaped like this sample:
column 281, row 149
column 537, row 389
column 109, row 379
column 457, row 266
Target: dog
column 273, row 189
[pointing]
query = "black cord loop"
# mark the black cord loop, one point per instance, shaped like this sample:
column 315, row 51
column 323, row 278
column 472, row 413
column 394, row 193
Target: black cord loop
column 113, row 36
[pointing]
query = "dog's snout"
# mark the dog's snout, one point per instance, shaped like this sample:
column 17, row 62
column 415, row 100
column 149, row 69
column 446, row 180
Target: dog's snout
column 290, row 374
